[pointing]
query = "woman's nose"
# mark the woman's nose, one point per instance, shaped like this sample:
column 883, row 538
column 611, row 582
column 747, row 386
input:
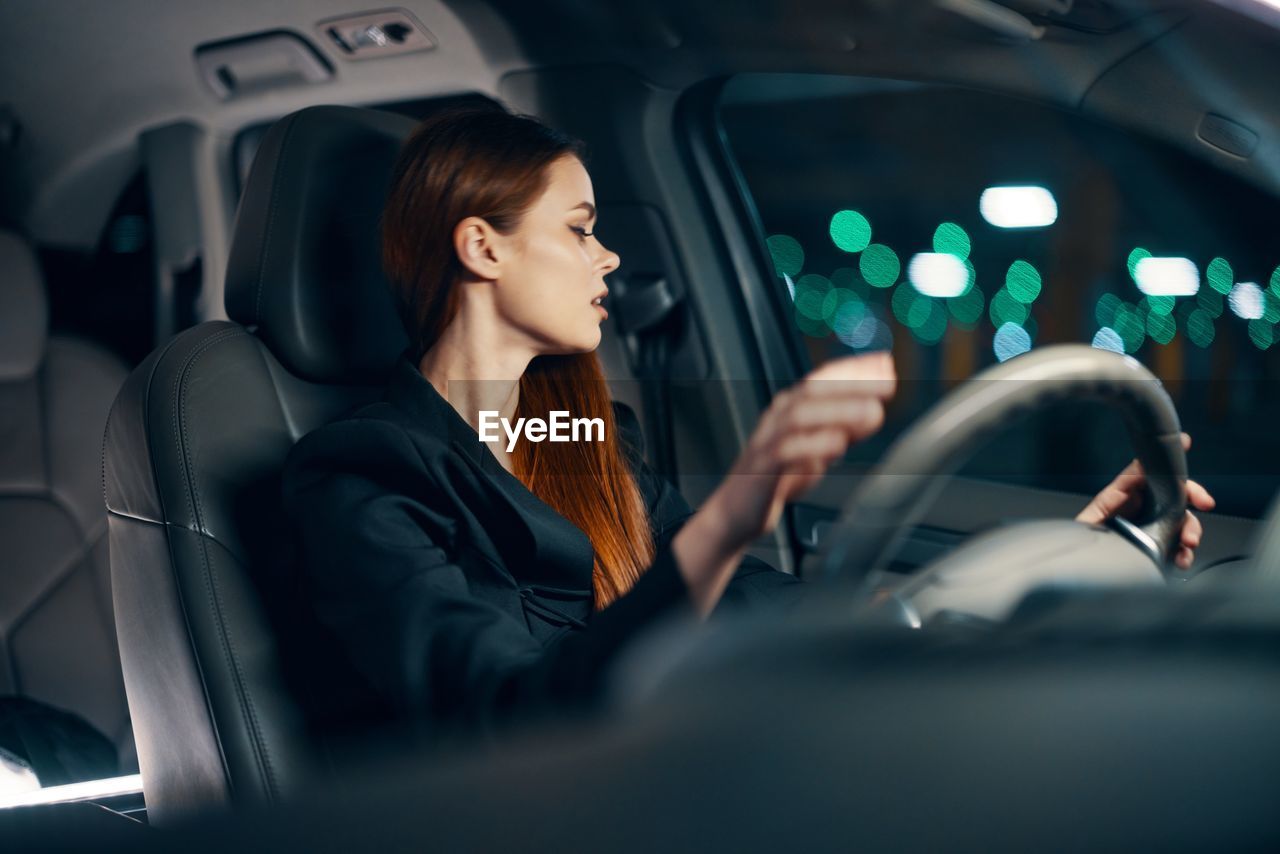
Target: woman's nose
column 609, row 260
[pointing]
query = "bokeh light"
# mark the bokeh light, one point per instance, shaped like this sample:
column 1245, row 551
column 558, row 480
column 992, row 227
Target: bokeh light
column 1005, row 309
column 1210, row 302
column 951, row 239
column 1161, row 327
column 938, row 274
column 850, row 231
column 1219, row 275
column 1105, row 311
column 811, row 294
column 1107, row 338
column 1010, row 340
column 967, row 308
column 1200, row 328
column 1018, row 207
column 787, row 254
column 1246, row 300
column 1261, row 333
column 1023, row 282
column 1134, row 257
column 879, row 265
column 1175, row 277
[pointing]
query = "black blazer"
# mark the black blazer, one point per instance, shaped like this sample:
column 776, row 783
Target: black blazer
column 457, row 593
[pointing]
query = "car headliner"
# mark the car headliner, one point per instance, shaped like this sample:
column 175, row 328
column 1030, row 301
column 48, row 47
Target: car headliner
column 84, row 79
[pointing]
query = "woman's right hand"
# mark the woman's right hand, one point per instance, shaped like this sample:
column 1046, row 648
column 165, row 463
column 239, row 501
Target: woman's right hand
column 803, row 430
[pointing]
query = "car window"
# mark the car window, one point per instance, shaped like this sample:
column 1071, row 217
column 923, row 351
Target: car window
column 960, row 228
column 107, row 294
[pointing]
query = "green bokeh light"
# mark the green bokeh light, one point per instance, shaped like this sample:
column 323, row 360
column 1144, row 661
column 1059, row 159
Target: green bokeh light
column 1005, row 309
column 835, row 298
column 1209, row 301
column 879, row 265
column 1275, row 282
column 850, row 231
column 1161, row 327
column 1270, row 306
column 973, row 277
column 787, row 254
column 814, row 328
column 1134, row 257
column 934, row 324
column 951, row 239
column 1158, row 305
column 811, row 294
column 967, row 308
column 1261, row 333
column 904, row 296
column 1023, row 282
column 1130, row 326
column 1220, row 276
column 1105, row 312
column 1200, row 327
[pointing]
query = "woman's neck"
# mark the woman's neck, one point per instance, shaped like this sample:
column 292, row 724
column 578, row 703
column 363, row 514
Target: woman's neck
column 472, row 370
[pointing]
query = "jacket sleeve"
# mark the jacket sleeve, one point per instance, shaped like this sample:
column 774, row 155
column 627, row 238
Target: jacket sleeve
column 755, row 584
column 376, row 543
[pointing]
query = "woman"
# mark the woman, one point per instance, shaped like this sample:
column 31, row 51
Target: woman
column 471, row 584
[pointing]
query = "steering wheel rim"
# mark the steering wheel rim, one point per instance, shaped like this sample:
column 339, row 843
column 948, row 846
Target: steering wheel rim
column 900, row 489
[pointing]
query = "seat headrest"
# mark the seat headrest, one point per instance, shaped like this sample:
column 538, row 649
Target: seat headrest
column 305, row 264
column 24, row 309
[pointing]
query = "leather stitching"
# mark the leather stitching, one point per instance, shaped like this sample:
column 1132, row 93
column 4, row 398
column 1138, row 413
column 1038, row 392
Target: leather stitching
column 196, row 512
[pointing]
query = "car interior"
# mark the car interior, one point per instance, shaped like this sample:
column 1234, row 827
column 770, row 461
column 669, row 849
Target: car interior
column 1059, row 216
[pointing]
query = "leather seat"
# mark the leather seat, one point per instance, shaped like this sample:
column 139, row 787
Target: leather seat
column 222, row 704
column 57, row 637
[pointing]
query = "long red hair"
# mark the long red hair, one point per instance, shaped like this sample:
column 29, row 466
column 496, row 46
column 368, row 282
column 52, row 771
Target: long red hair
column 493, row 164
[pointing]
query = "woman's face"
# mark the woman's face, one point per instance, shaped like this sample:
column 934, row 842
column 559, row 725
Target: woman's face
column 553, row 271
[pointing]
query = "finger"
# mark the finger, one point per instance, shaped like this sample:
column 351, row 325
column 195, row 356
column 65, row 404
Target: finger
column 1114, row 499
column 1184, row 558
column 1199, row 497
column 1192, row 531
column 1186, row 441
column 800, row 452
column 867, row 374
column 858, row 417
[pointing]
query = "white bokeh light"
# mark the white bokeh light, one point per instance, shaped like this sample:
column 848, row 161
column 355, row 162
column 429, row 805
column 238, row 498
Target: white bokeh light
column 1167, row 277
column 1018, row 207
column 1107, row 338
column 1246, row 300
column 937, row 274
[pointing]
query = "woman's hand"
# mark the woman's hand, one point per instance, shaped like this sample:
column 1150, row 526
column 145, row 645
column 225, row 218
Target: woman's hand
column 802, row 431
column 1123, row 497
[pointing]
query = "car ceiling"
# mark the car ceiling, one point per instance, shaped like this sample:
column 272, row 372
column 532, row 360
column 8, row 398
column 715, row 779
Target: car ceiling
column 84, row 78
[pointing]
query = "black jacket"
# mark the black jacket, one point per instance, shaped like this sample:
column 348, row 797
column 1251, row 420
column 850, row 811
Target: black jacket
column 459, row 595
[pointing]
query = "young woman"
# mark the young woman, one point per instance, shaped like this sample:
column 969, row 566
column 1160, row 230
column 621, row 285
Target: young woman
column 472, row 585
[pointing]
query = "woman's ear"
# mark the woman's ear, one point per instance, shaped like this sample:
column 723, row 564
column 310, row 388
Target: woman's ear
column 478, row 247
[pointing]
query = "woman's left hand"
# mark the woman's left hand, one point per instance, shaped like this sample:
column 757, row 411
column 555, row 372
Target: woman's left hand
column 1123, row 497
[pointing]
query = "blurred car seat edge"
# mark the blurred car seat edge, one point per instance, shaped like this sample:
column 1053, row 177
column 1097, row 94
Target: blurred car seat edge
column 57, row 633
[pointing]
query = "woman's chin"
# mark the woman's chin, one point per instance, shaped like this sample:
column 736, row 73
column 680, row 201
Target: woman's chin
column 584, row 344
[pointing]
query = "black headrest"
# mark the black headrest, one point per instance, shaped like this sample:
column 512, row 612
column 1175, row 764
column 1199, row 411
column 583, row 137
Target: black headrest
column 305, row 266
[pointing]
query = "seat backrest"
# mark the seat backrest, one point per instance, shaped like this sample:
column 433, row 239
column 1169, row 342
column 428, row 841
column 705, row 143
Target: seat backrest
column 57, row 638
column 201, row 555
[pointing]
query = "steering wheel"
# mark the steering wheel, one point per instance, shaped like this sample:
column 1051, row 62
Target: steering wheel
column 987, row 576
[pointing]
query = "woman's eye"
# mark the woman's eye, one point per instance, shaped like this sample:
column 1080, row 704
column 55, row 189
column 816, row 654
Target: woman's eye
column 581, row 232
